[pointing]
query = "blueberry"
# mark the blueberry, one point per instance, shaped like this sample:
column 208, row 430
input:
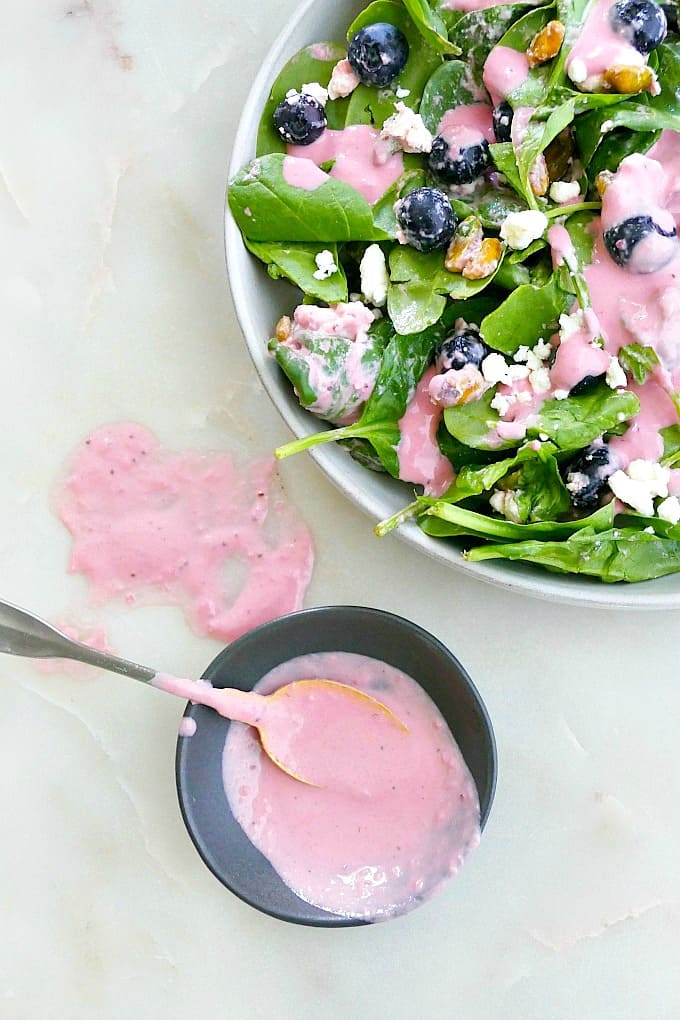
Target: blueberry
column 378, row 53
column 502, row 121
column 622, row 239
column 641, row 22
column 585, row 384
column 461, row 348
column 586, row 477
column 458, row 166
column 300, row 119
column 427, row 219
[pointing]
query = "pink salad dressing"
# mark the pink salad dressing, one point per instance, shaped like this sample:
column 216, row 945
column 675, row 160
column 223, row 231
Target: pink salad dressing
column 356, row 160
column 504, row 71
column 420, row 459
column 467, row 125
column 187, row 528
column 599, row 47
column 302, row 173
column 365, row 851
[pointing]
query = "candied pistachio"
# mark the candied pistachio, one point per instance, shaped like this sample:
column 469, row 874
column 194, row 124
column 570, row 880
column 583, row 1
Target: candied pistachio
column 485, row 261
column 603, row 180
column 465, row 244
column 558, row 155
column 545, row 44
column 283, row 327
column 539, row 181
column 628, row 80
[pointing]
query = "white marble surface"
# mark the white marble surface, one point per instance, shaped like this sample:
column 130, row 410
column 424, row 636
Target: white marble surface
column 116, row 121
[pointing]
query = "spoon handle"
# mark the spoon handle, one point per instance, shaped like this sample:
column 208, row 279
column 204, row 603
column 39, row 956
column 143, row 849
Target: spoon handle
column 22, row 633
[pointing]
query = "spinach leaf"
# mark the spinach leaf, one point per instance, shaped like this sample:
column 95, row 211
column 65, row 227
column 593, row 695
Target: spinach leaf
column 638, row 361
column 616, row 145
column 267, row 208
column 534, row 89
column 489, row 202
column 419, row 283
column 296, row 262
column 477, row 32
column 503, row 155
column 540, row 493
column 460, row 521
column 370, row 105
column 461, row 455
column 473, row 424
column 449, row 87
column 619, row 554
column 577, row 421
column 313, row 63
column 671, row 445
column 538, row 137
column 473, row 479
column 431, row 26
column 527, row 314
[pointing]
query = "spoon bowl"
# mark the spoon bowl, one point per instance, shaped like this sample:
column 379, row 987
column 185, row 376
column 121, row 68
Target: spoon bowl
column 219, row 839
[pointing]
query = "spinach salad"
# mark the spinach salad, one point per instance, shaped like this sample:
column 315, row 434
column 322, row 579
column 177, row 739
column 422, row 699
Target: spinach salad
column 478, row 205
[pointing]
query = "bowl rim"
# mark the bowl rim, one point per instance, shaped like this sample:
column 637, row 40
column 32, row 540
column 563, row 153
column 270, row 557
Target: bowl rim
column 345, row 474
column 319, row 917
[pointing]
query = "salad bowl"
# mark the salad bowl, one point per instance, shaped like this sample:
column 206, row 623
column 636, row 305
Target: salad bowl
column 260, row 301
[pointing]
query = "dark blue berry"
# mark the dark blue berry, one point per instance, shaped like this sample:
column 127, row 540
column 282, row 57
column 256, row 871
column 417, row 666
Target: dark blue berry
column 641, row 22
column 585, row 384
column 464, row 347
column 427, row 219
column 300, row 119
column 586, row 477
column 378, row 53
column 502, row 121
column 458, row 166
column 621, row 240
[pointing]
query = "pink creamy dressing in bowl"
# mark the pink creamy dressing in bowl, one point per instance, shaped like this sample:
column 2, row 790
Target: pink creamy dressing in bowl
column 360, row 851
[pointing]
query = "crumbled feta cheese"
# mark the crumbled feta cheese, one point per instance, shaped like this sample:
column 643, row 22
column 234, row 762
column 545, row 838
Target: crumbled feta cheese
column 639, row 484
column 615, row 376
column 571, row 324
column 343, row 81
column 669, row 510
column 504, row 501
column 534, row 357
column 517, row 372
column 543, row 437
column 326, row 266
column 649, row 531
column 540, row 380
column 374, row 278
column 407, row 128
column 501, row 403
column 401, row 93
column 542, row 350
column 524, row 397
column 317, row 91
column 561, row 394
column 521, row 354
column 606, row 126
column 565, row 191
column 519, row 229
column 495, row 369
column 577, row 481
column 577, row 71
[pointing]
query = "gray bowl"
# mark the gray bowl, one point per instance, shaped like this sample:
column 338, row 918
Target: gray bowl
column 218, row 837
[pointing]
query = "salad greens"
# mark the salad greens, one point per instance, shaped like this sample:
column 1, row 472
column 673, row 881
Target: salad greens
column 513, row 492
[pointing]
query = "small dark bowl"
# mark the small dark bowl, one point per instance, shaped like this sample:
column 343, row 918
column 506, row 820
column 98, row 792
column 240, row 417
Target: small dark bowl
column 218, row 837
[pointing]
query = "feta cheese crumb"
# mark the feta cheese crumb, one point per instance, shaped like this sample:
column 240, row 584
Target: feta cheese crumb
column 561, row 394
column 571, row 324
column 518, row 372
column 615, row 376
column 565, row 191
column 501, row 403
column 669, row 510
column 343, row 81
column 317, row 91
column 540, row 380
column 577, row 71
column 326, row 266
column 519, row 229
column 504, row 501
column 606, row 126
column 407, row 128
column 639, row 484
column 374, row 278
column 521, row 354
column 401, row 93
column 495, row 369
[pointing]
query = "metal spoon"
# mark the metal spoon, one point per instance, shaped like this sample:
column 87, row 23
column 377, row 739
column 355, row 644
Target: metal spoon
column 287, row 729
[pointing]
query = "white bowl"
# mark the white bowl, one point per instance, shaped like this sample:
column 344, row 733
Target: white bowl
column 260, row 301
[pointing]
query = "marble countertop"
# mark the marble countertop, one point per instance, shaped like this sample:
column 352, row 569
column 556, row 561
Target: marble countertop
column 117, row 120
